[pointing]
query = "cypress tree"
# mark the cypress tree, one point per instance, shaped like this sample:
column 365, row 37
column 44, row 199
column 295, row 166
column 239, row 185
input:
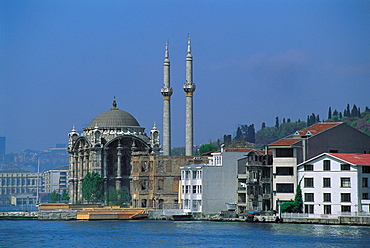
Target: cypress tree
column 277, row 122
column 329, row 113
column 354, row 111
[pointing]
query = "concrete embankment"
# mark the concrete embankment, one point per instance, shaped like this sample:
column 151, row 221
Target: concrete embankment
column 18, row 215
column 341, row 220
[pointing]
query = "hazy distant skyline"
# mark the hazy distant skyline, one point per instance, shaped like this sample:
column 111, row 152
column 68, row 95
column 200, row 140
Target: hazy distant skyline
column 62, row 62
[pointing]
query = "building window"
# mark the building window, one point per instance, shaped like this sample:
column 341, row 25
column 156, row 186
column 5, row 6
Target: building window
column 327, row 209
column 308, row 167
column 308, row 182
column 284, row 152
column 194, row 189
column 365, row 169
column 199, row 172
column 345, row 182
column 284, row 188
column 187, row 189
column 326, row 165
column 327, row 197
column 187, row 174
column 144, row 184
column 194, row 174
column 326, row 182
column 365, row 196
column 308, row 209
column 160, row 184
column 144, row 166
column 365, row 182
column 284, row 171
column 309, row 197
column 345, row 167
column 143, row 203
column 345, row 197
column 345, row 208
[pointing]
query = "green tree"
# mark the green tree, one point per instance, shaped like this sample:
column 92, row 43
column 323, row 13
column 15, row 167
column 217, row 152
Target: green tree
column 92, row 187
column 54, row 197
column 206, row 148
column 65, row 196
column 117, row 197
column 297, row 205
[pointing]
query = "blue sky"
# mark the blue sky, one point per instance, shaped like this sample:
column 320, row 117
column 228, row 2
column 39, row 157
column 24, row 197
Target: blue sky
column 62, row 62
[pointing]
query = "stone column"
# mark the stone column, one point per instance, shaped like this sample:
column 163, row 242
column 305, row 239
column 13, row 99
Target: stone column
column 166, row 92
column 119, row 165
column 189, row 89
column 105, row 173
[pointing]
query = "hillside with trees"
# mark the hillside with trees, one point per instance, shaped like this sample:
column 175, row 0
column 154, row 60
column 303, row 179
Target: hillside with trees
column 246, row 136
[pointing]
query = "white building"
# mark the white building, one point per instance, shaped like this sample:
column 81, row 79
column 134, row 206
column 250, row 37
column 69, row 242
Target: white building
column 335, row 182
column 55, row 180
column 208, row 187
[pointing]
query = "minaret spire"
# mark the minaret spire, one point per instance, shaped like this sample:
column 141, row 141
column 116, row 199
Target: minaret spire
column 166, row 93
column 189, row 89
column 189, row 45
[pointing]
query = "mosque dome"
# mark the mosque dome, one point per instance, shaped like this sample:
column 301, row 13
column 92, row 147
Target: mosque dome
column 114, row 118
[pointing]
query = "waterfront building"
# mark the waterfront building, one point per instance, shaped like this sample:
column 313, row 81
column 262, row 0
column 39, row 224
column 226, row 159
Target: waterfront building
column 105, row 147
column 330, row 137
column 12, row 183
column 24, row 200
column 55, row 180
column 208, row 187
column 155, row 180
column 334, row 183
column 254, row 182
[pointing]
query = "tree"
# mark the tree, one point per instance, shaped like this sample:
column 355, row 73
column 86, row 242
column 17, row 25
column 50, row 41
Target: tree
column 329, row 113
column 354, row 111
column 92, row 187
column 297, row 205
column 117, row 197
column 54, row 197
column 251, row 135
column 263, row 125
column 65, row 196
column 277, row 122
column 239, row 135
column 206, row 148
column 227, row 139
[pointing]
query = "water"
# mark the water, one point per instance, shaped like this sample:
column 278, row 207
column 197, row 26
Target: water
column 147, row 233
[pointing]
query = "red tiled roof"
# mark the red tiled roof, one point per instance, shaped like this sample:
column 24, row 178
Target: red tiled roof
column 353, row 158
column 319, row 127
column 239, row 149
column 285, row 142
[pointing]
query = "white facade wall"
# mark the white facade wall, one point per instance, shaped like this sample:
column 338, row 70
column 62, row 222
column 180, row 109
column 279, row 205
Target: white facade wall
column 192, row 188
column 335, row 175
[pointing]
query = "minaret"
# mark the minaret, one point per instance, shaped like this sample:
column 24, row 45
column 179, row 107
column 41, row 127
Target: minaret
column 189, row 88
column 166, row 92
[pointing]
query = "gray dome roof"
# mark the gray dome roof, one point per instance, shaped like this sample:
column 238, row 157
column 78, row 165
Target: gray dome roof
column 114, row 118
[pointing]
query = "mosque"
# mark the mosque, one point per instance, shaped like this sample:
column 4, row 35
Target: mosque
column 117, row 147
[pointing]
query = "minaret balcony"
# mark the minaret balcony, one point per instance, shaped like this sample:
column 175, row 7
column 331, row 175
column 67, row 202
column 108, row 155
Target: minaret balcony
column 189, row 87
column 166, row 91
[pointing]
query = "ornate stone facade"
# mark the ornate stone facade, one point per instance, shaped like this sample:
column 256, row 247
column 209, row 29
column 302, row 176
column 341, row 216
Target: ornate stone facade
column 105, row 147
column 155, row 179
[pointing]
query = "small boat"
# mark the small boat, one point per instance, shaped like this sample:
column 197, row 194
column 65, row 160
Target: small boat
column 183, row 217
